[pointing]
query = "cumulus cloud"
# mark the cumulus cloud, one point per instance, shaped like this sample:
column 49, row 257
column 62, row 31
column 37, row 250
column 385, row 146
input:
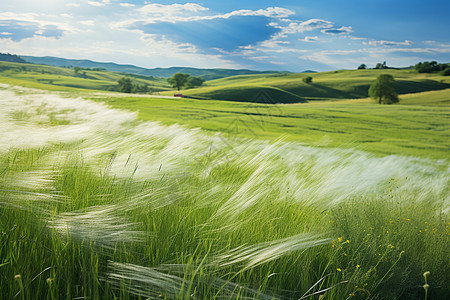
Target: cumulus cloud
column 296, row 27
column 188, row 12
column 338, row 31
column 27, row 25
column 195, row 23
column 308, row 25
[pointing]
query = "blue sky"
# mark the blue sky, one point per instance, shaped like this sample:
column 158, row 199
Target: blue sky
column 292, row 35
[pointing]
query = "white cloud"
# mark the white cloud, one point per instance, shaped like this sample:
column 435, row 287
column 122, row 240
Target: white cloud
column 41, row 20
column 388, row 43
column 309, row 25
column 161, row 10
column 99, row 4
column 286, row 50
column 127, row 5
column 5, row 33
column 309, row 39
column 88, row 22
column 357, row 38
column 260, row 58
column 278, row 63
column 432, row 51
column 273, row 43
column 332, row 57
column 153, row 13
column 338, row 31
column 295, row 28
column 73, row 4
column 434, row 43
column 148, row 51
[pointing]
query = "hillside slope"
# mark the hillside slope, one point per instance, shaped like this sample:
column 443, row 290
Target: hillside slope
column 260, row 88
column 57, row 78
column 207, row 74
column 335, row 85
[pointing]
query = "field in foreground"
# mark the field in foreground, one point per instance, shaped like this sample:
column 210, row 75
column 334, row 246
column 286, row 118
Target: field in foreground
column 95, row 203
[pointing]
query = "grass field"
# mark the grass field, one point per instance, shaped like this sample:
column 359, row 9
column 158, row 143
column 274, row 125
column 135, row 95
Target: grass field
column 360, row 124
column 96, row 203
column 113, row 196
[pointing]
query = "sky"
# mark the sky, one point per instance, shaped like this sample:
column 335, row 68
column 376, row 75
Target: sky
column 289, row 35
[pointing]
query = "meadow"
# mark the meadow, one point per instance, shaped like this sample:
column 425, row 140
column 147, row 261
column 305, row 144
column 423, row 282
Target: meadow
column 360, row 124
column 113, row 196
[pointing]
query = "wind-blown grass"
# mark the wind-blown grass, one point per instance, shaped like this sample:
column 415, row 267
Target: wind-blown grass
column 106, row 206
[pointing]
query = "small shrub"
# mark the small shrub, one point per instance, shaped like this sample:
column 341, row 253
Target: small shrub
column 307, row 79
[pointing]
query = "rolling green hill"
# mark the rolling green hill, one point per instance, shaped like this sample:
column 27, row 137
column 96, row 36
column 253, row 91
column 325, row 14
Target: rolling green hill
column 57, row 78
column 207, row 74
column 261, row 88
column 335, row 85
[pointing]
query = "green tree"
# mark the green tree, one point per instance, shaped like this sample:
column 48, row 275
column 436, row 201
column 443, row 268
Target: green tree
column 141, row 88
column 125, row 85
column 383, row 89
column 193, row 82
column 362, row 67
column 178, row 80
column 381, row 65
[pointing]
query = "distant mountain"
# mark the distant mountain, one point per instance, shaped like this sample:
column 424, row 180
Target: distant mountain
column 207, row 74
column 11, row 58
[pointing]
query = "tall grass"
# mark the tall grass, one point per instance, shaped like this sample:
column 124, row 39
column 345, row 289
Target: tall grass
column 105, row 207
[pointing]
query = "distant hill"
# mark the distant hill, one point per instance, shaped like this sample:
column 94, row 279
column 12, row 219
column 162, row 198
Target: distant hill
column 325, row 86
column 62, row 79
column 11, row 58
column 207, row 74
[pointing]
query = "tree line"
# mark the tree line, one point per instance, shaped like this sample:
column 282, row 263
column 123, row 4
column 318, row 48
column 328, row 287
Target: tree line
column 432, row 67
column 181, row 80
column 11, row 58
column 421, row 67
